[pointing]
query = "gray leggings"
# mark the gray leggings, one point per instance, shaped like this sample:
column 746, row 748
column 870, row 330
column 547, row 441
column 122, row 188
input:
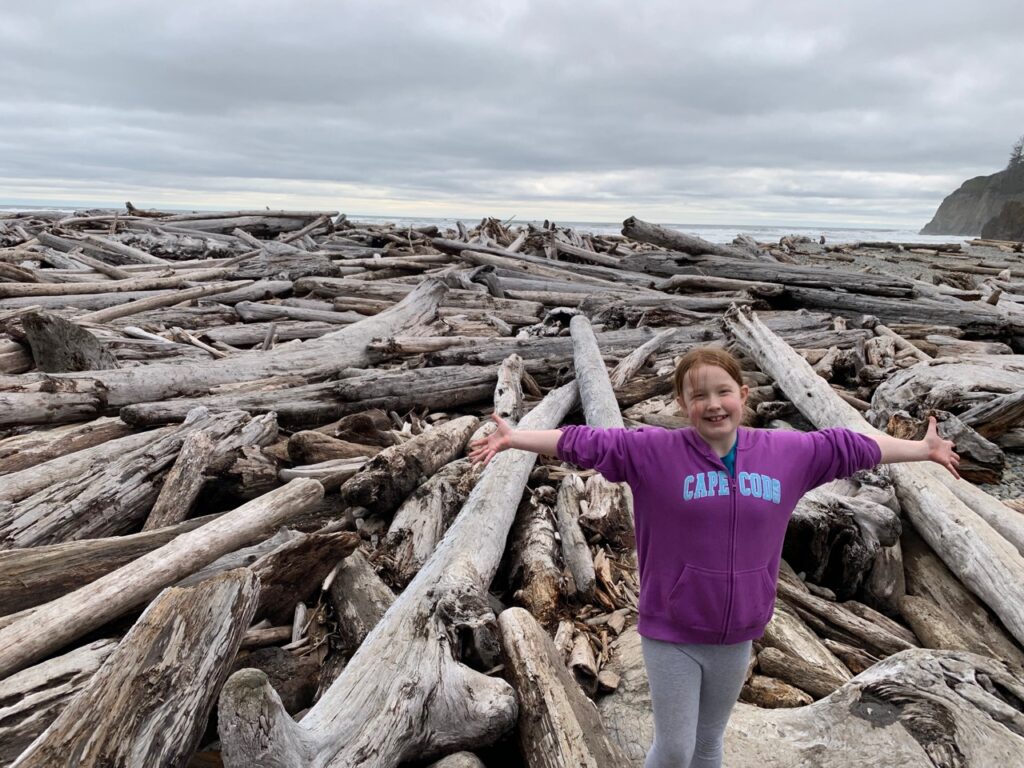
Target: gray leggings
column 693, row 690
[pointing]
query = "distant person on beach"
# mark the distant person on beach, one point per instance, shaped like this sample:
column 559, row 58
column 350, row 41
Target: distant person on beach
column 711, row 506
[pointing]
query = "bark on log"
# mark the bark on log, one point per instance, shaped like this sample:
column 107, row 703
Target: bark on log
column 431, row 704
column 33, row 698
column 156, row 690
column 387, row 479
column 558, row 725
column 56, row 623
column 986, row 562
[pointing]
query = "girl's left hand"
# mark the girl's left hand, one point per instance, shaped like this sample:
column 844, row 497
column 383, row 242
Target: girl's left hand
column 941, row 451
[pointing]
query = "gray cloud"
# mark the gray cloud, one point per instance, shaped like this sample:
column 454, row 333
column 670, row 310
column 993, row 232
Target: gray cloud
column 797, row 110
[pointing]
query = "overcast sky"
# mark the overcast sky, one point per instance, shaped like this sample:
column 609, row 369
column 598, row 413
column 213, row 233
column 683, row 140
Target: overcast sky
column 732, row 112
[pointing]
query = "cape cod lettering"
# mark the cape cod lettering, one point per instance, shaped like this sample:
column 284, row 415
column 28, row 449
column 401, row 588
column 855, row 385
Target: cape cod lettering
column 704, row 484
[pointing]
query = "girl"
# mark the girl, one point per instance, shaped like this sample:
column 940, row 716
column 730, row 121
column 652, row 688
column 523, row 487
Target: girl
column 711, row 504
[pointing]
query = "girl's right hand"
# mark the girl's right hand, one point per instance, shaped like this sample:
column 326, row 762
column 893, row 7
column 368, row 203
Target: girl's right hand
column 484, row 449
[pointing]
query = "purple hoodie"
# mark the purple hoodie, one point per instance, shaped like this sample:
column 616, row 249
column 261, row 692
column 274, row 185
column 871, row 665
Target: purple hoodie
column 708, row 544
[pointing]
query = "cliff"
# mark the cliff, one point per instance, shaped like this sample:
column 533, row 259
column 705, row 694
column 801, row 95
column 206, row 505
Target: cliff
column 967, row 210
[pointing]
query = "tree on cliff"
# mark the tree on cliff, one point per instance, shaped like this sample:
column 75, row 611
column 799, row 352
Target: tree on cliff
column 1017, row 155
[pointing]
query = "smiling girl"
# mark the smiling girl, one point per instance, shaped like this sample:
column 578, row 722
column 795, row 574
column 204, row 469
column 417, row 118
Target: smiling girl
column 711, row 505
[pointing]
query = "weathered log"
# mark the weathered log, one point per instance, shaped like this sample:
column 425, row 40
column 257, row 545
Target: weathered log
column 28, row 450
column 789, row 634
column 771, row 693
column 318, row 358
column 388, row 478
column 836, row 538
column 59, row 346
column 909, row 707
column 35, row 575
column 610, row 508
column 422, row 519
column 558, row 725
column 183, row 483
column 997, row 416
column 437, row 388
column 294, row 570
column 157, row 689
column 800, row 673
column 635, row 360
column 118, row 494
column 655, row 234
column 33, row 698
column 250, row 312
column 955, row 530
column 56, row 623
column 312, row 447
column 575, row 552
column 981, row 461
column 459, row 760
column 929, row 578
column 360, row 600
column 534, row 572
column 431, row 704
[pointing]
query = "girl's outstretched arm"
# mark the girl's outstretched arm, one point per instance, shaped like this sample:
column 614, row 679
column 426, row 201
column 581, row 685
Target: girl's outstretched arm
column 930, row 448
column 542, row 441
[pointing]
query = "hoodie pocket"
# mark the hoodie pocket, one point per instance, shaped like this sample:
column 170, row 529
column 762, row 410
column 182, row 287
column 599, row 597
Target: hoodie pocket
column 698, row 598
column 753, row 598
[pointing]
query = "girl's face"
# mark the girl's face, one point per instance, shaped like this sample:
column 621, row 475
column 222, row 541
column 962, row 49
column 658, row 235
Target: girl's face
column 714, row 402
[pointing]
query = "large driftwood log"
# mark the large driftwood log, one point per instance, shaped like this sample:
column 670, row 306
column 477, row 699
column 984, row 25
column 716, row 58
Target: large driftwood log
column 403, row 694
column 56, row 623
column 360, row 600
column 35, row 575
column 28, row 450
column 835, row 538
column 611, row 504
column 928, row 578
column 118, row 494
column 319, row 358
column 789, row 634
column 31, row 699
column 388, row 478
column 655, row 234
column 59, row 346
column 534, row 572
column 983, row 560
column 575, row 552
column 421, row 521
column 183, row 483
column 157, row 689
column 919, row 708
column 558, row 725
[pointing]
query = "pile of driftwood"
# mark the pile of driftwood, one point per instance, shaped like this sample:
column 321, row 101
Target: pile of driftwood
column 238, row 526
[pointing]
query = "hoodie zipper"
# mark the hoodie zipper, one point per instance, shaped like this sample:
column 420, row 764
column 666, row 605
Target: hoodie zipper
column 732, row 541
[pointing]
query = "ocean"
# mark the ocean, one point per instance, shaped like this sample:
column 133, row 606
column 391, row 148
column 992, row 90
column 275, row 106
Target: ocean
column 715, row 233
